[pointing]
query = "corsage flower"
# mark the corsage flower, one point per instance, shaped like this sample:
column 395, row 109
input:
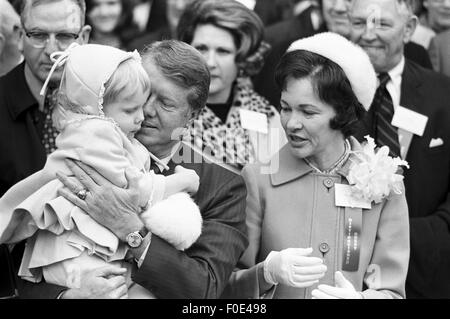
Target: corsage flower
column 373, row 174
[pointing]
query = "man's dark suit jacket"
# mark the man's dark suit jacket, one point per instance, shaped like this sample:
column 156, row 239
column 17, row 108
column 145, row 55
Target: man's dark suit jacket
column 427, row 182
column 22, row 153
column 204, row 270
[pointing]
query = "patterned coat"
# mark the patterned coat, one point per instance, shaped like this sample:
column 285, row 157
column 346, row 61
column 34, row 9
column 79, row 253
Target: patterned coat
column 229, row 142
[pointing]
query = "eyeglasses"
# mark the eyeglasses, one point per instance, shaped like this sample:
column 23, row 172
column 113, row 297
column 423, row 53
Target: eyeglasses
column 40, row 39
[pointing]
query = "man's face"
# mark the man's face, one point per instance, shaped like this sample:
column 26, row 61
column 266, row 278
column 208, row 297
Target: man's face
column 438, row 14
column 166, row 112
column 61, row 17
column 381, row 28
column 335, row 14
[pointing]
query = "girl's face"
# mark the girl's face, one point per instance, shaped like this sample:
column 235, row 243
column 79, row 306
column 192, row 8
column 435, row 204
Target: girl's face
column 219, row 50
column 105, row 15
column 306, row 121
column 127, row 110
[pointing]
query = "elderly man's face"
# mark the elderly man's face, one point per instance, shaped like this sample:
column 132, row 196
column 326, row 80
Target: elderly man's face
column 335, row 14
column 381, row 28
column 48, row 19
column 166, row 112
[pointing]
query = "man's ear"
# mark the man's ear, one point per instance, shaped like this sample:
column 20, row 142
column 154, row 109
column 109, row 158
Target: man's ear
column 410, row 27
column 85, row 33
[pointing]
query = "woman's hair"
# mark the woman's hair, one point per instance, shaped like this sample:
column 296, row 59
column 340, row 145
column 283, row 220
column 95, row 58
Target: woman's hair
column 129, row 75
column 245, row 26
column 126, row 29
column 330, row 84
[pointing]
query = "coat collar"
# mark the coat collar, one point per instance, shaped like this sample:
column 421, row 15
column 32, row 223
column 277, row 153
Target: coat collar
column 290, row 167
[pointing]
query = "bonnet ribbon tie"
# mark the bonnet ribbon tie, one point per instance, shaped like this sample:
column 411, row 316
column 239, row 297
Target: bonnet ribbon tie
column 59, row 58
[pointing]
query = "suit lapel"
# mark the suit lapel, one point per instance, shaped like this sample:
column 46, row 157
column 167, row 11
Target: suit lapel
column 411, row 95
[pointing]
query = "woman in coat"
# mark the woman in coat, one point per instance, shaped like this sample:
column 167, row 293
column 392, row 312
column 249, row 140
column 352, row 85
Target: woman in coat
column 332, row 220
column 237, row 126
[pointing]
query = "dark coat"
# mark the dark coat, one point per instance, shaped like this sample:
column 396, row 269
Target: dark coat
column 22, row 152
column 203, row 271
column 21, row 149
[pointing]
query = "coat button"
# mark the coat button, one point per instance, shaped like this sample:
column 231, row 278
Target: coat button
column 328, row 182
column 324, row 247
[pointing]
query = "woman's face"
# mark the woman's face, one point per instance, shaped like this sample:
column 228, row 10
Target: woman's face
column 105, row 15
column 219, row 50
column 306, row 121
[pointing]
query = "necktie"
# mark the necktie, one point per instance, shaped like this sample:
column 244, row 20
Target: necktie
column 154, row 167
column 386, row 133
column 49, row 132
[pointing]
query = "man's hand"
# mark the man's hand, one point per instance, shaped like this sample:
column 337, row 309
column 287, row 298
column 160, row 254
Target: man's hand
column 343, row 289
column 111, row 206
column 102, row 283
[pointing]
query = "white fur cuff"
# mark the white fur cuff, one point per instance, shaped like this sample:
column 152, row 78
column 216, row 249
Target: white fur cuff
column 176, row 219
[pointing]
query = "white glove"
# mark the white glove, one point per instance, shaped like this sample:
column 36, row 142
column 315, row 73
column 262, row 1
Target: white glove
column 343, row 289
column 293, row 267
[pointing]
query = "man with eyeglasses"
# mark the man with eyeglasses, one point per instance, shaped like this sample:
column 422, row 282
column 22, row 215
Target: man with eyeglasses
column 26, row 131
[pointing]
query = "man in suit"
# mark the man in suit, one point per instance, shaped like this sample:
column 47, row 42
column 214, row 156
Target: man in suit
column 381, row 28
column 180, row 84
column 47, row 26
column 440, row 52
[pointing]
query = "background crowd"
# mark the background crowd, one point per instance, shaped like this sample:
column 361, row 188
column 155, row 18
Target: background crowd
column 245, row 63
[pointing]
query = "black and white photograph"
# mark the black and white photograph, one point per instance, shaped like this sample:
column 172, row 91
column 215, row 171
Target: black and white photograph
column 224, row 153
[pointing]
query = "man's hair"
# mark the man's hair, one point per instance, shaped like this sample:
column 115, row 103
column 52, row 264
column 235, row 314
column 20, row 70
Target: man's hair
column 410, row 4
column 244, row 25
column 27, row 4
column 184, row 66
column 129, row 77
column 8, row 17
column 330, row 85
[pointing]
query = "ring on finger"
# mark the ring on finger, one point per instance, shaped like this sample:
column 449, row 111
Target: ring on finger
column 81, row 194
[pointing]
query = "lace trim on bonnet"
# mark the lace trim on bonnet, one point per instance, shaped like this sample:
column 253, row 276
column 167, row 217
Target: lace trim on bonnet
column 59, row 58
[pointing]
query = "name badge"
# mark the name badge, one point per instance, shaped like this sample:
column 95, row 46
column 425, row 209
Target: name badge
column 409, row 120
column 254, row 121
column 343, row 197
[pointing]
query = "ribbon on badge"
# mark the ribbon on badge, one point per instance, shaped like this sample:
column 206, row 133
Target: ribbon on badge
column 351, row 238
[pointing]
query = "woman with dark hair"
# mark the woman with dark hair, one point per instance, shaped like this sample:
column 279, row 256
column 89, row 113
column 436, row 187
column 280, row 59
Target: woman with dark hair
column 332, row 221
column 237, row 126
column 111, row 21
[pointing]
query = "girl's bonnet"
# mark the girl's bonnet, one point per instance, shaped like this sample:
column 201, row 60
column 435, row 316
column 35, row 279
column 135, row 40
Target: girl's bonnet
column 87, row 68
